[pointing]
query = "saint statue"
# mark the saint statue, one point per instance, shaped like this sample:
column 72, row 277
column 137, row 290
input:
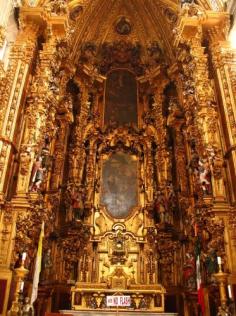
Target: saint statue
column 47, row 265
column 37, row 175
column 189, row 271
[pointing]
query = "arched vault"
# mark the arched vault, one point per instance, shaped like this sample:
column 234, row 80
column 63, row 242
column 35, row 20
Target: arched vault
column 150, row 20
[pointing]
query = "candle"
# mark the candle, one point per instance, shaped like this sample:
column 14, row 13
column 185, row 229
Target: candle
column 230, row 291
column 195, row 230
column 219, row 260
column 24, row 254
column 21, row 286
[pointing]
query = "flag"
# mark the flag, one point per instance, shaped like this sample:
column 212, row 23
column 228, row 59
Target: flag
column 37, row 268
column 200, row 292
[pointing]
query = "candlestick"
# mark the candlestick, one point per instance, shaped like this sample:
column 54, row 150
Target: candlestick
column 221, row 278
column 219, row 260
column 20, row 274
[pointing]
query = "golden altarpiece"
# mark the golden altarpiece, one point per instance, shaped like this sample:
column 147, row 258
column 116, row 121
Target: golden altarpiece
column 118, row 129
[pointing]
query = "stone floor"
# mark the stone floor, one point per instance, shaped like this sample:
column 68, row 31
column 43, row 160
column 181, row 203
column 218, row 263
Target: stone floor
column 113, row 313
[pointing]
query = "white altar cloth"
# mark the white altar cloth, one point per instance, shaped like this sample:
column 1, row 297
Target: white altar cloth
column 114, row 313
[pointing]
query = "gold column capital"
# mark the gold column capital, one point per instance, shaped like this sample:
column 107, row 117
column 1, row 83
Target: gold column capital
column 193, row 18
column 222, row 54
column 218, row 27
column 55, row 24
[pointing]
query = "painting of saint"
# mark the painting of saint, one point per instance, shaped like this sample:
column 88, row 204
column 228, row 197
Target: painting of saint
column 121, row 98
column 119, row 184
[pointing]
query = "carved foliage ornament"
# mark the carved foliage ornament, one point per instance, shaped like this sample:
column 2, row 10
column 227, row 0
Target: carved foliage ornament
column 121, row 54
column 73, row 241
column 28, row 226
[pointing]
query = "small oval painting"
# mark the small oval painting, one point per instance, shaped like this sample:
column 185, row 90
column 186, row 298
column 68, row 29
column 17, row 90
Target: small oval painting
column 123, row 26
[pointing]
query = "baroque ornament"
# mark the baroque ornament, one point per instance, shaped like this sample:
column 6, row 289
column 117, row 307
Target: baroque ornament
column 112, row 136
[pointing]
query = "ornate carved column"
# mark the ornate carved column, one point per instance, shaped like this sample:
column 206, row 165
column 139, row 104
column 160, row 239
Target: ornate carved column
column 15, row 78
column 6, row 81
column 59, row 152
column 7, row 235
column 176, row 122
column 43, row 90
column 233, row 74
column 202, row 130
column 5, row 10
column 224, row 68
column 36, row 129
column 77, row 154
column 159, row 123
column 36, row 114
column 162, row 156
column 222, row 56
column 232, row 242
column 208, row 121
column 195, row 69
column 223, row 61
column 13, row 87
column 2, row 36
column 168, row 252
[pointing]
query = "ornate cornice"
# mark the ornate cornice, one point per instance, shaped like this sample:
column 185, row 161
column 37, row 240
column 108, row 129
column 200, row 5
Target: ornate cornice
column 214, row 25
column 45, row 19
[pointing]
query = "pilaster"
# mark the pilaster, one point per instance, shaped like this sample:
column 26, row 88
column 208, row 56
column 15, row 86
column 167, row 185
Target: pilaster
column 2, row 36
column 24, row 126
column 77, row 157
column 13, row 85
column 163, row 156
column 202, row 130
column 153, row 116
column 43, row 96
column 60, row 147
column 222, row 59
column 5, row 10
column 190, row 32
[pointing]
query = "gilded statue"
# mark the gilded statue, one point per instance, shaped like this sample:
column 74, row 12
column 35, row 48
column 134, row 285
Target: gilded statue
column 189, row 271
column 37, row 175
column 223, row 311
column 27, row 308
column 47, row 265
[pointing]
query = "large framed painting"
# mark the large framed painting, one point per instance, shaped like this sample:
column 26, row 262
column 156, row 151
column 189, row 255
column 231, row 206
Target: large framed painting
column 121, row 98
column 119, row 189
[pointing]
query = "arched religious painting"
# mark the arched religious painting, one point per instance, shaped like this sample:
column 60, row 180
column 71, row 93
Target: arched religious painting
column 121, row 98
column 119, row 184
